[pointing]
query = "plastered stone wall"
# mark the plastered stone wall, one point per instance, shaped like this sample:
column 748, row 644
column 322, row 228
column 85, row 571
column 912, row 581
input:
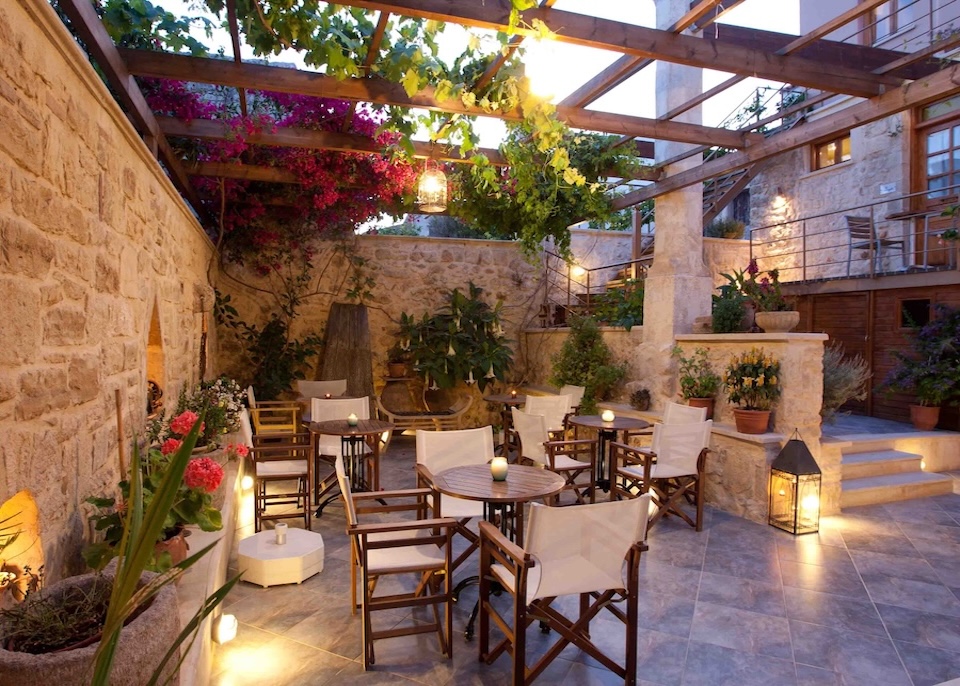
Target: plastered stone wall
column 92, row 237
column 879, row 156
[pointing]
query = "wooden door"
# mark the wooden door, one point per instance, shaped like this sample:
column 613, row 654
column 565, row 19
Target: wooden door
column 845, row 318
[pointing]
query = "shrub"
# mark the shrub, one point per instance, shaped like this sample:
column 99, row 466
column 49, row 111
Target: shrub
column 585, row 360
column 728, row 310
column 621, row 306
column 724, row 228
column 844, row 378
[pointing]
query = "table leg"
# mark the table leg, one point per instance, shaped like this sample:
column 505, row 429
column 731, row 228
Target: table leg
column 604, row 467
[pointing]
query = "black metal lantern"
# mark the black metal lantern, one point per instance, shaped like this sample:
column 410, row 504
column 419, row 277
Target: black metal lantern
column 795, row 489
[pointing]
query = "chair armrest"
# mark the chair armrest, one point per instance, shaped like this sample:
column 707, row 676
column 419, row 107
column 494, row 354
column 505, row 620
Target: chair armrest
column 573, row 442
column 632, row 454
column 400, row 493
column 423, row 472
column 488, row 532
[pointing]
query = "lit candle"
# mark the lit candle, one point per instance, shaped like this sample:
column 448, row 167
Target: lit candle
column 498, row 468
column 607, row 415
column 280, row 531
column 327, row 396
column 513, row 394
column 352, row 419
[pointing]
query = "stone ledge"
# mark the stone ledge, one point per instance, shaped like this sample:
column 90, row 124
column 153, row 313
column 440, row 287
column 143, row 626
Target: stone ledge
column 758, row 337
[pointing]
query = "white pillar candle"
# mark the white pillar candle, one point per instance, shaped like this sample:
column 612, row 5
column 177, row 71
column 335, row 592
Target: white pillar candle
column 498, row 468
column 280, row 530
column 607, row 415
column 352, row 419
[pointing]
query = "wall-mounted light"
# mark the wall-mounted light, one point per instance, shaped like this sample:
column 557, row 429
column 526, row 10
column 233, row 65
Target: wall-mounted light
column 576, row 271
column 432, row 188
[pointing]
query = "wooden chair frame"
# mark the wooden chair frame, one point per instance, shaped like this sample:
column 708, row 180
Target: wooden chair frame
column 583, row 450
column 279, row 449
column 497, row 548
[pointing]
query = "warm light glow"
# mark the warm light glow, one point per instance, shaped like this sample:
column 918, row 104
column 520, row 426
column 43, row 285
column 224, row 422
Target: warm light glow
column 513, row 394
column 498, row 468
column 923, row 464
column 432, row 189
column 226, row 629
column 576, row 271
column 607, row 415
column 246, row 483
column 810, row 507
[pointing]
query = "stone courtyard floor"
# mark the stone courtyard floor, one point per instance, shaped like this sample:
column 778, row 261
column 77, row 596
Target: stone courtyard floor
column 873, row 598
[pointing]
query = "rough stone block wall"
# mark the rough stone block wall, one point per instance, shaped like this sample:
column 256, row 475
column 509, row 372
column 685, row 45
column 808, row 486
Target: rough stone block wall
column 92, row 237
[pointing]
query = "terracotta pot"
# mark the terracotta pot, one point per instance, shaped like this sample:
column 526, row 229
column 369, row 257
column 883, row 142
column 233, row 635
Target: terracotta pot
column 175, row 545
column 778, row 322
column 924, row 418
column 751, row 421
column 397, row 370
column 702, row 402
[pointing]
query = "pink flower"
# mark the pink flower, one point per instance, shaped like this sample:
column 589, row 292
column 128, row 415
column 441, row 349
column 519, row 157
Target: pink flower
column 182, row 423
column 752, row 268
column 203, row 474
column 235, row 450
column 171, row 445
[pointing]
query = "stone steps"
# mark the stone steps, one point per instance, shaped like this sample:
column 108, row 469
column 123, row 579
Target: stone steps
column 879, row 463
column 893, row 487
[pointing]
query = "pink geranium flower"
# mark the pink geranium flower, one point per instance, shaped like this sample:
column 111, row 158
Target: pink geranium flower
column 235, row 450
column 171, row 445
column 203, row 474
column 182, row 423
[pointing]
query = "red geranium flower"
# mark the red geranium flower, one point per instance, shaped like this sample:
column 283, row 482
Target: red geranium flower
column 171, row 445
column 203, row 474
column 183, row 422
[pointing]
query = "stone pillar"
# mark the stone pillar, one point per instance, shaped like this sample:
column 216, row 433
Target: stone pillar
column 678, row 286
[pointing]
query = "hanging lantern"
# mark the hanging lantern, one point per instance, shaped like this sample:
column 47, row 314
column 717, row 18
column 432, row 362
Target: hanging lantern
column 795, row 489
column 432, row 188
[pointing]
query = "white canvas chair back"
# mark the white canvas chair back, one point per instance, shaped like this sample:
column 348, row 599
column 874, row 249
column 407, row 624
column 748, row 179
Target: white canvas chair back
column 675, row 413
column 318, row 389
column 575, row 393
column 533, row 434
column 349, row 509
column 441, row 450
column 322, row 410
column 581, row 549
column 679, row 447
column 553, row 408
column 251, row 398
column 246, row 430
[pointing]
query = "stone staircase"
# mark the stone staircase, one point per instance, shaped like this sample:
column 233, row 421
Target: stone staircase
column 873, row 472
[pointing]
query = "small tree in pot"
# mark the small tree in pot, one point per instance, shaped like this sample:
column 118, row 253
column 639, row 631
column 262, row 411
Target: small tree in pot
column 699, row 384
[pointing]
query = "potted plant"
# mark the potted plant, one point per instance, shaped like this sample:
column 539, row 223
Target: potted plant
column 773, row 313
column 640, row 399
column 753, row 384
column 137, row 626
column 699, row 384
column 585, row 360
column 193, row 504
column 931, row 369
column 398, row 359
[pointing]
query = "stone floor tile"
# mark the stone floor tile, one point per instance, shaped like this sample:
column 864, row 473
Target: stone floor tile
column 872, row 564
column 890, row 543
column 840, row 580
column 923, row 628
column 744, row 563
column 918, row 511
column 746, row 594
column 810, row 551
column 918, row 595
column 280, row 661
column 659, row 577
column 741, row 630
column 850, row 614
column 929, row 666
column 666, row 613
column 815, row 676
column 860, row 658
column 712, row 665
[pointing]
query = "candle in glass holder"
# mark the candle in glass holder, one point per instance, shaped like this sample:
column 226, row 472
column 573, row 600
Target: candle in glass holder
column 513, row 393
column 327, row 396
column 352, row 419
column 607, row 415
column 498, row 468
column 280, row 531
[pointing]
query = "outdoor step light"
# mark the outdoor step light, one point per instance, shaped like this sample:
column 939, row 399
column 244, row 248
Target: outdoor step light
column 795, row 489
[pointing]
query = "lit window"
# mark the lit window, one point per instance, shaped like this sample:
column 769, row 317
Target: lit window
column 831, row 152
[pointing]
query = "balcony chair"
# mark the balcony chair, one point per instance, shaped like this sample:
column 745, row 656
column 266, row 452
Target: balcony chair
column 440, row 450
column 276, row 459
column 864, row 236
column 672, row 468
column 558, row 456
column 592, row 551
column 421, row 546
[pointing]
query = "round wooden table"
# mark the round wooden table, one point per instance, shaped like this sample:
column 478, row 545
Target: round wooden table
column 502, row 502
column 355, row 459
column 607, row 431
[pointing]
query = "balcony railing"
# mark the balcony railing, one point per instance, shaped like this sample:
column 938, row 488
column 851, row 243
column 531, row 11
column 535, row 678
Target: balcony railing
column 898, row 240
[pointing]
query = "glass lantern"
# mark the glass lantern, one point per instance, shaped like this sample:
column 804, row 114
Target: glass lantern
column 795, row 489
column 432, row 189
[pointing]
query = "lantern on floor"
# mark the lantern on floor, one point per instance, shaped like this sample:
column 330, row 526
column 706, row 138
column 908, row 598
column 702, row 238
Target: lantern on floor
column 795, row 489
column 432, row 188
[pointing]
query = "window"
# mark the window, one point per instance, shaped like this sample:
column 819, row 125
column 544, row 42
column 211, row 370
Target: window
column 914, row 313
column 741, row 206
column 939, row 148
column 886, row 19
column 831, row 152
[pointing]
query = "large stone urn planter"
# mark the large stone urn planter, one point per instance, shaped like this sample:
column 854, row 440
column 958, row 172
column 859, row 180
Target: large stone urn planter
column 143, row 643
column 778, row 322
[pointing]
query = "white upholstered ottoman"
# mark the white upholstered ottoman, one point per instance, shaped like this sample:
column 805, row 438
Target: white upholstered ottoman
column 264, row 562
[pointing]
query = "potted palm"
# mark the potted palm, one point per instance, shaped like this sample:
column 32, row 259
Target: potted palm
column 699, row 384
column 753, row 384
column 930, row 371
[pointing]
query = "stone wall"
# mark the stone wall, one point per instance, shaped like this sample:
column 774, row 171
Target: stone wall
column 94, row 237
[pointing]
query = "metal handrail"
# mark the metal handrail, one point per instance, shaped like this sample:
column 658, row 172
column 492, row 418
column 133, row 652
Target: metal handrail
column 812, row 247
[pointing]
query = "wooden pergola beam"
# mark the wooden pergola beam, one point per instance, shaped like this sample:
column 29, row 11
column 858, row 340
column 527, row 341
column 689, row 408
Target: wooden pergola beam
column 943, row 84
column 287, row 137
column 88, row 26
column 372, row 51
column 640, row 41
column 242, row 172
column 285, row 80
